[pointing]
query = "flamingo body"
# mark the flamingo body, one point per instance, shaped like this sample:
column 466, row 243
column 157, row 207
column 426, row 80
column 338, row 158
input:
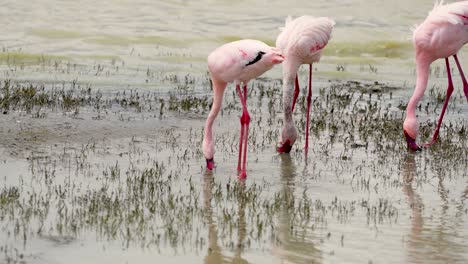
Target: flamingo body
column 238, row 62
column 441, row 35
column 228, row 62
column 304, row 38
column 302, row 41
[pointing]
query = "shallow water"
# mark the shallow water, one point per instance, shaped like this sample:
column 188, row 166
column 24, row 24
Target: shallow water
column 109, row 168
column 134, row 42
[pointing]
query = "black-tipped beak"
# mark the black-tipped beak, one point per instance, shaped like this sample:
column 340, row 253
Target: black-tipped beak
column 210, row 164
column 411, row 142
column 285, row 147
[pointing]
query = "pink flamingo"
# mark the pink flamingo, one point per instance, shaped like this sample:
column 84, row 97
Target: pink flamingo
column 301, row 41
column 238, row 62
column 441, row 35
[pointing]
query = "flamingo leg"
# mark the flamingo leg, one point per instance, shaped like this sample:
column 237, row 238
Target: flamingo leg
column 309, row 100
column 465, row 83
column 447, row 98
column 296, row 92
column 246, row 115
column 245, row 121
column 241, row 138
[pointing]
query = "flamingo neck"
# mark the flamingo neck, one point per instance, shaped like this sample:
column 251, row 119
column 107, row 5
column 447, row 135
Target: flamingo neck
column 422, row 73
column 218, row 93
column 290, row 68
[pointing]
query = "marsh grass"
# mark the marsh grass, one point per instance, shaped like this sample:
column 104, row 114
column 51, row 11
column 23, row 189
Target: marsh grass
column 152, row 192
column 70, row 97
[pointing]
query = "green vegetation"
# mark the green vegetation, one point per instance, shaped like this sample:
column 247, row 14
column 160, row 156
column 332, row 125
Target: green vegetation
column 151, row 191
column 375, row 49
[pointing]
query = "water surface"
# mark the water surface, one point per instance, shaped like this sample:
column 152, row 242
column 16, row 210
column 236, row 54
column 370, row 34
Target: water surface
column 107, row 167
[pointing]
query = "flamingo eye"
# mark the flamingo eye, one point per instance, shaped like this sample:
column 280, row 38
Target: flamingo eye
column 259, row 57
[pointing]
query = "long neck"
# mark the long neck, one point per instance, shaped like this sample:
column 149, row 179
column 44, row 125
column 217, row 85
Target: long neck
column 422, row 72
column 218, row 93
column 290, row 68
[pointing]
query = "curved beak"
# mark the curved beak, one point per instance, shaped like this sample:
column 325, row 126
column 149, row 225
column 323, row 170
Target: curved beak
column 278, row 56
column 210, row 164
column 285, row 147
column 411, row 142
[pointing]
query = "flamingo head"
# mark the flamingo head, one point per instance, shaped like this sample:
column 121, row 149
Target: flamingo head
column 210, row 164
column 288, row 137
column 284, row 147
column 275, row 56
column 411, row 142
column 410, row 130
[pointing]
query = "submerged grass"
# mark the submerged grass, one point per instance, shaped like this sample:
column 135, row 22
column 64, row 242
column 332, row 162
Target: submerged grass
column 372, row 49
column 107, row 39
column 117, row 40
column 152, row 192
column 17, row 58
column 56, row 33
column 38, row 100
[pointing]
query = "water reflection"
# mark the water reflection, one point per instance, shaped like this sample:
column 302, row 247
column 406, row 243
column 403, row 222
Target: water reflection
column 242, row 228
column 289, row 247
column 214, row 254
column 416, row 206
column 438, row 238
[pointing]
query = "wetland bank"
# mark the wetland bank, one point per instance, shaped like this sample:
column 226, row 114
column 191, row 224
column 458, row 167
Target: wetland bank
column 101, row 130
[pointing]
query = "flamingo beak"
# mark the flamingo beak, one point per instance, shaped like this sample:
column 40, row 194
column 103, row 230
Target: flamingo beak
column 210, row 164
column 279, row 57
column 285, row 147
column 411, row 142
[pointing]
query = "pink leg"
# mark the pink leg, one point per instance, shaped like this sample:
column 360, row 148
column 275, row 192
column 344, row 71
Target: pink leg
column 296, row 92
column 447, row 98
column 246, row 117
column 309, row 100
column 465, row 84
column 241, row 141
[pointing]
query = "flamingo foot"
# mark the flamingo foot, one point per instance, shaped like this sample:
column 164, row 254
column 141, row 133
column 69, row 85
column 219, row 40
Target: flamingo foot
column 285, row 147
column 411, row 142
column 426, row 145
column 210, row 164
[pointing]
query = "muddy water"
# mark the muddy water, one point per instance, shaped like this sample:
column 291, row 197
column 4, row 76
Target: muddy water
column 113, row 173
column 134, row 42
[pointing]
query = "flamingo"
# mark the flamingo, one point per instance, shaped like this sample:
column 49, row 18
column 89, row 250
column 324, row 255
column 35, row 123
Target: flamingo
column 238, row 62
column 301, row 41
column 441, row 35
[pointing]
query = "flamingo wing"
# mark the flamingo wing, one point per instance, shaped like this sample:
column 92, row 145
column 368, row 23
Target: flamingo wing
column 456, row 13
column 444, row 31
column 305, row 35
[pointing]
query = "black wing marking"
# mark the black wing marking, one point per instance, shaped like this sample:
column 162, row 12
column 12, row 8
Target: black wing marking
column 259, row 57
